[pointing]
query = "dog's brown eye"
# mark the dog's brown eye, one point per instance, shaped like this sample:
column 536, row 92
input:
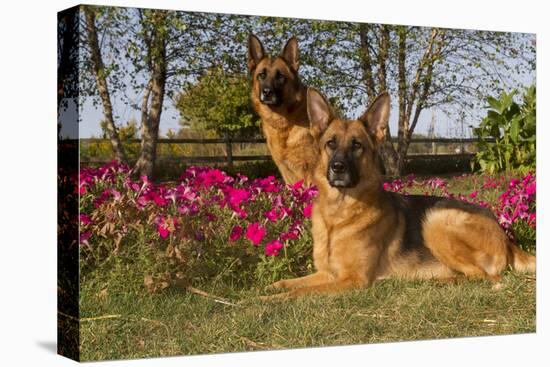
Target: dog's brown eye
column 331, row 144
column 356, row 145
column 280, row 77
column 262, row 74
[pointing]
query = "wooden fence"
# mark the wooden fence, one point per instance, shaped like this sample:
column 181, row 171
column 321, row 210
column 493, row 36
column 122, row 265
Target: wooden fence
column 229, row 157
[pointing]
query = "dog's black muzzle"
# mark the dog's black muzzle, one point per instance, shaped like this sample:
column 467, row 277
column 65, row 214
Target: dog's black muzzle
column 269, row 97
column 342, row 172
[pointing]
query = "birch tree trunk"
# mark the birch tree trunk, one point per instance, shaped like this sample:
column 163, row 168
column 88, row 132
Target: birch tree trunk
column 101, row 81
column 151, row 108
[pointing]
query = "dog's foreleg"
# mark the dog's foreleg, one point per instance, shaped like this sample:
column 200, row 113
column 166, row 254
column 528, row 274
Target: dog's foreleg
column 320, row 277
column 332, row 287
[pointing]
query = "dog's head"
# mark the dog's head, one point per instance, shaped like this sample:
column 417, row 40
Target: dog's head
column 274, row 79
column 347, row 148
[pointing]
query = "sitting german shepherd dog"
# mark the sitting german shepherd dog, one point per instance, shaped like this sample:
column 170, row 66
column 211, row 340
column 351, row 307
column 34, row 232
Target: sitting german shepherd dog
column 279, row 98
column 362, row 233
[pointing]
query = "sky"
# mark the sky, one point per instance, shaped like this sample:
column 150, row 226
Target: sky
column 92, row 115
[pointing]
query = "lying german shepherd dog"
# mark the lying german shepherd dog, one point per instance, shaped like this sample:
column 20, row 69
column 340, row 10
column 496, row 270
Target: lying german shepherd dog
column 279, row 98
column 362, row 233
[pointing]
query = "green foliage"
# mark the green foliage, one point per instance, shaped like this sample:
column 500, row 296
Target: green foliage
column 513, row 126
column 104, row 150
column 525, row 235
column 219, row 102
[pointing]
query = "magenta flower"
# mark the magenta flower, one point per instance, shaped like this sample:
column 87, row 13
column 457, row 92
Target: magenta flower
column 290, row 235
column 268, row 184
column 210, row 177
column 116, row 194
column 82, row 189
column 85, row 219
column 157, row 199
column 531, row 188
column 164, row 227
column 163, row 231
column 84, row 237
column 297, row 185
column 307, row 210
column 275, row 214
column 473, row 195
column 236, row 233
column 131, row 184
column 237, row 196
column 255, row 233
column 272, row 248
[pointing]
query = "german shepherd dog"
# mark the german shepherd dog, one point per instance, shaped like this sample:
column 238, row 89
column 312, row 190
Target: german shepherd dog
column 279, row 98
column 362, row 233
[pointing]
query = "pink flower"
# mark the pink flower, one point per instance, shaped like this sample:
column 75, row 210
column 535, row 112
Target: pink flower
column 272, row 248
column 268, row 184
column 241, row 213
column 116, row 194
column 297, row 185
column 163, row 231
column 532, row 220
column 84, row 237
column 85, row 219
column 164, row 228
column 102, row 198
column 157, row 199
column 307, row 210
column 473, row 194
column 255, row 233
column 531, row 188
column 505, row 220
column 82, row 189
column 190, row 209
column 236, row 197
column 275, row 214
column 236, row 233
column 290, row 235
column 211, row 177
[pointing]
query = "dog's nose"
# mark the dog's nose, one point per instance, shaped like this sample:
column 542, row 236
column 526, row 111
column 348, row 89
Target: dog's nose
column 338, row 167
column 267, row 92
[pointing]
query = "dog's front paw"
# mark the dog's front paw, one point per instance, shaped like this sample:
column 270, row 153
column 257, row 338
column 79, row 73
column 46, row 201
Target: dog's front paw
column 281, row 284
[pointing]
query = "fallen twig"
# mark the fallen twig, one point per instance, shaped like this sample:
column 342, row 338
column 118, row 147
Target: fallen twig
column 208, row 295
column 253, row 343
column 105, row 317
column 84, row 319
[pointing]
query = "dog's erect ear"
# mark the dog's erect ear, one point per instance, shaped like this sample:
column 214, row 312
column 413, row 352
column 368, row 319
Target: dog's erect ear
column 255, row 52
column 318, row 111
column 290, row 53
column 377, row 116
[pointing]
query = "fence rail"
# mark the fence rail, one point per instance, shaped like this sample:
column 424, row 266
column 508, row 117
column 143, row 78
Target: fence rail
column 229, row 158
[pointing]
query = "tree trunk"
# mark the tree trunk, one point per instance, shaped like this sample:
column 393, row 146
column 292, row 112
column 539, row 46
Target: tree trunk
column 367, row 61
column 101, row 81
column 383, row 47
column 389, row 159
column 386, row 151
column 150, row 116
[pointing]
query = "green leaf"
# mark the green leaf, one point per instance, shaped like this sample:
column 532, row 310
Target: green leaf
column 514, row 129
column 494, row 103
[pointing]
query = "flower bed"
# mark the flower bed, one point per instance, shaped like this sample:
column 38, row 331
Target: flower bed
column 212, row 220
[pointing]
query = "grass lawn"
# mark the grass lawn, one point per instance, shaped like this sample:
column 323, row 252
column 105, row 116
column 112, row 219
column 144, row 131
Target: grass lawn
column 176, row 322
column 120, row 319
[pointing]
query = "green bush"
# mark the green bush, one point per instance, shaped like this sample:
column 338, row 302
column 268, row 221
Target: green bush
column 513, row 126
